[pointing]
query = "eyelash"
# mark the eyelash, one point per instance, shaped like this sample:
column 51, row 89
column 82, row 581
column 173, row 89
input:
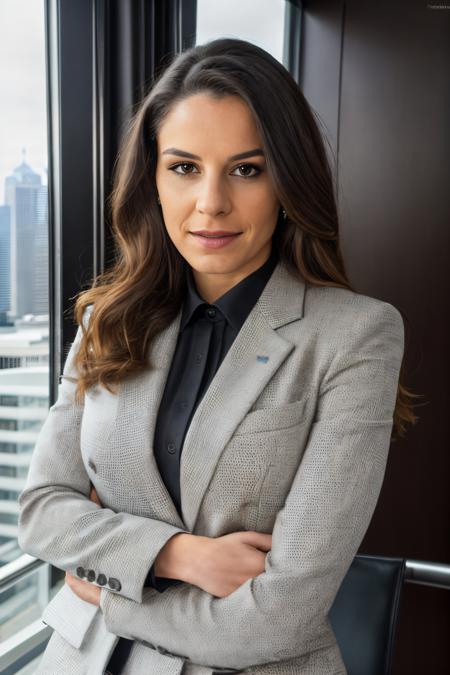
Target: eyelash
column 253, row 166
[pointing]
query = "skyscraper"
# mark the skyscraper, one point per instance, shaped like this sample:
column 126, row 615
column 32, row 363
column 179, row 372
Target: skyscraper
column 27, row 199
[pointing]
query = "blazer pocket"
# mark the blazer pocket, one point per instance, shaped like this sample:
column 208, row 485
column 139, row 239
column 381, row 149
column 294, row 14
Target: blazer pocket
column 281, row 416
column 69, row 615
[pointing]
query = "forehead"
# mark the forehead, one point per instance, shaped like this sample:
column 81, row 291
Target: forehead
column 202, row 120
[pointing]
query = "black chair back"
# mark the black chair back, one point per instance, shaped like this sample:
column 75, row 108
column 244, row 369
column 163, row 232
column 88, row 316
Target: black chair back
column 364, row 614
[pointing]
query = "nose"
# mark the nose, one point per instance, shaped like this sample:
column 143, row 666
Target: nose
column 213, row 197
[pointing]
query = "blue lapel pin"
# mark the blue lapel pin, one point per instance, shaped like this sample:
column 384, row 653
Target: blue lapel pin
column 264, row 359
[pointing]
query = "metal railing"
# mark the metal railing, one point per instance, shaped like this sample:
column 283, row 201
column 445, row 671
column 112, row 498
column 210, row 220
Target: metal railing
column 427, row 573
column 18, row 569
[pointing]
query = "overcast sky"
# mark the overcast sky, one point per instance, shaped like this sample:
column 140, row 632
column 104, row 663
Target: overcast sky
column 22, row 87
column 23, row 112
column 258, row 21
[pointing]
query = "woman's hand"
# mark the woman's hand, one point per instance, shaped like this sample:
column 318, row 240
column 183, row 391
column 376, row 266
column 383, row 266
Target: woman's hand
column 222, row 564
column 94, row 496
column 84, row 589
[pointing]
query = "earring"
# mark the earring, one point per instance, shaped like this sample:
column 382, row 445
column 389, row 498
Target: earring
column 284, row 214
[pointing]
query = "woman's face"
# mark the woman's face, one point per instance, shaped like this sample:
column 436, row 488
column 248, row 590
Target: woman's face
column 215, row 192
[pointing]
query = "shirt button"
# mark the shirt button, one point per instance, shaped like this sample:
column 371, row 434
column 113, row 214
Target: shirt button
column 171, row 447
column 211, row 312
column 198, row 357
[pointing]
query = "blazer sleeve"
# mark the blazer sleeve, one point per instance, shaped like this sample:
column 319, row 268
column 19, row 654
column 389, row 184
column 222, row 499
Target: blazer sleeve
column 282, row 613
column 60, row 524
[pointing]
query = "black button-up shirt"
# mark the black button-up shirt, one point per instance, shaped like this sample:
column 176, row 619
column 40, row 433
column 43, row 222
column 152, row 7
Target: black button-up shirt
column 207, row 331
column 206, row 334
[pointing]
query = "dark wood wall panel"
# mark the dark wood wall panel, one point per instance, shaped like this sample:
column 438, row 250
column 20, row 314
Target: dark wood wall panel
column 378, row 74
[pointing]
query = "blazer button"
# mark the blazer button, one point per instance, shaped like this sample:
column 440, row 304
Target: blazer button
column 101, row 579
column 91, row 575
column 114, row 584
column 81, row 572
column 92, row 465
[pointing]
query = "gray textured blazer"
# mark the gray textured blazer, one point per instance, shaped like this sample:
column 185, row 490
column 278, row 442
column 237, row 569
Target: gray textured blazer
column 291, row 438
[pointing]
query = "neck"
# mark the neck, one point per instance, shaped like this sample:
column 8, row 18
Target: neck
column 212, row 286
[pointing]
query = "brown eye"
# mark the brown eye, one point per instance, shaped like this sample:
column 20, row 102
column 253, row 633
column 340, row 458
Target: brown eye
column 249, row 166
column 183, row 164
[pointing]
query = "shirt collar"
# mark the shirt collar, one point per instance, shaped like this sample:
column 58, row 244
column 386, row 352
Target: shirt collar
column 237, row 302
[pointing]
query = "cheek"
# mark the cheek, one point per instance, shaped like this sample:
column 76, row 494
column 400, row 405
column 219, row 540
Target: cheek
column 177, row 233
column 263, row 223
column 174, row 228
column 261, row 207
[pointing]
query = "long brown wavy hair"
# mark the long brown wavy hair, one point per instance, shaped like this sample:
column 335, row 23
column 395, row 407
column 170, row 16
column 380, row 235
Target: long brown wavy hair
column 142, row 291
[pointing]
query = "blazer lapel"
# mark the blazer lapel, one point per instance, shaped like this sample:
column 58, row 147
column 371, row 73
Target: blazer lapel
column 237, row 383
column 149, row 389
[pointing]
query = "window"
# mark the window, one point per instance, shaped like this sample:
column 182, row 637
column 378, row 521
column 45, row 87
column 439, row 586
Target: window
column 24, row 283
column 261, row 22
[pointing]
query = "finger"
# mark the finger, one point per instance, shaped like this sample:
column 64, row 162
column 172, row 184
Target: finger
column 94, row 496
column 259, row 540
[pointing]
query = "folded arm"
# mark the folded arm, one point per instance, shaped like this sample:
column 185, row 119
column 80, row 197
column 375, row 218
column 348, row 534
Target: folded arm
column 59, row 523
column 280, row 613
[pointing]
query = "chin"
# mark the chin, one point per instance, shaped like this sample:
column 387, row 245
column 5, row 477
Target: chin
column 216, row 264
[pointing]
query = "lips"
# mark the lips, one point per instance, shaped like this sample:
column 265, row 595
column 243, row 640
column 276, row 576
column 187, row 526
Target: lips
column 212, row 242
column 214, row 236
column 218, row 233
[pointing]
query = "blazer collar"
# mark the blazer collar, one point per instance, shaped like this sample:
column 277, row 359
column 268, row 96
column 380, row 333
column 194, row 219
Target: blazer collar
column 236, row 385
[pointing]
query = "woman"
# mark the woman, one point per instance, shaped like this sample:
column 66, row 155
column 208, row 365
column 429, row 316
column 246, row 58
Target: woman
column 220, row 437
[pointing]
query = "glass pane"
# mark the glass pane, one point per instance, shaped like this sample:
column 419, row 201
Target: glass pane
column 24, row 305
column 258, row 21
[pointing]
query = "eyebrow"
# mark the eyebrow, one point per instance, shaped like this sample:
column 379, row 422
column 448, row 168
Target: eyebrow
column 190, row 155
